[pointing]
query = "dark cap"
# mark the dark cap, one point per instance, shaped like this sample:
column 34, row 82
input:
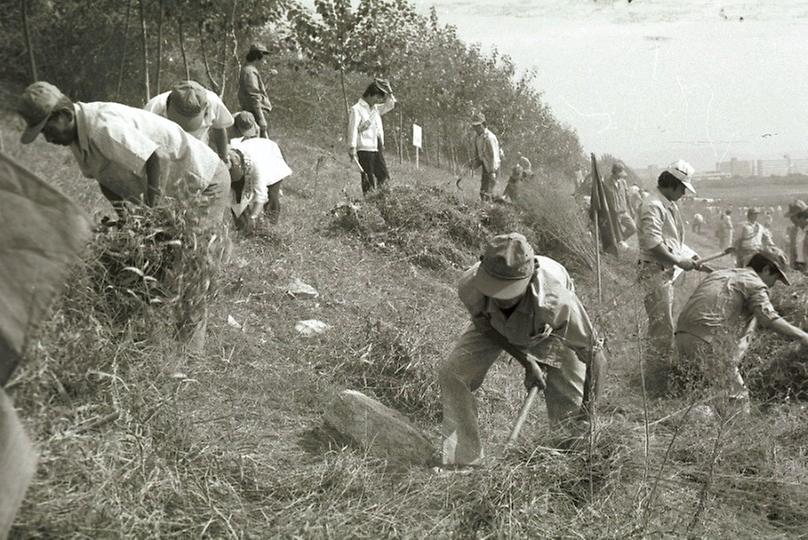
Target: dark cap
column 506, row 267
column 186, row 104
column 383, row 85
column 37, row 103
column 258, row 48
column 245, row 124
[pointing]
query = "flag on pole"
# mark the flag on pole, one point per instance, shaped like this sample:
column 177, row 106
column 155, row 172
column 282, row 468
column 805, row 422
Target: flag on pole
column 42, row 233
column 602, row 214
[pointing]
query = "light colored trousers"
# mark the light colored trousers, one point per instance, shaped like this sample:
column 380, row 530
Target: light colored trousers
column 17, row 464
column 463, row 372
column 657, row 290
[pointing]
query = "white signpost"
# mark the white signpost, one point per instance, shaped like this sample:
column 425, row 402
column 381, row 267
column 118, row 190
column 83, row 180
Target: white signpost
column 416, row 141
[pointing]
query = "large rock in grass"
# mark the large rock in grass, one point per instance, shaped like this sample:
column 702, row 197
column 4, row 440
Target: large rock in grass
column 380, row 430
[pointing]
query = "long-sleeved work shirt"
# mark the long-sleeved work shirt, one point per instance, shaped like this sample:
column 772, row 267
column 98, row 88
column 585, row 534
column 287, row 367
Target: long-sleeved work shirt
column 752, row 237
column 486, row 151
column 617, row 194
column 659, row 223
column 549, row 300
column 264, row 167
column 724, row 303
column 365, row 128
column 252, row 94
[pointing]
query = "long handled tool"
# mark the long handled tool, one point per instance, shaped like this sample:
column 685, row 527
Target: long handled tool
column 717, row 255
column 523, row 412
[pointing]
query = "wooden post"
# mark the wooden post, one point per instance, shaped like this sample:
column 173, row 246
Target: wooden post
column 417, row 152
column 401, row 141
column 597, row 254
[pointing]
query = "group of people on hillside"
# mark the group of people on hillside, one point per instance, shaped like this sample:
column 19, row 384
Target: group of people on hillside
column 518, row 301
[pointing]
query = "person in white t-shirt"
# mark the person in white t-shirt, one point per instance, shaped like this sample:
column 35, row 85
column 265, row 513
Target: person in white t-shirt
column 197, row 110
column 257, row 169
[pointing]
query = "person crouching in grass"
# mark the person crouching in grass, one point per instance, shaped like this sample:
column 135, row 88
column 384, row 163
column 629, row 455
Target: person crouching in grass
column 717, row 323
column 257, row 169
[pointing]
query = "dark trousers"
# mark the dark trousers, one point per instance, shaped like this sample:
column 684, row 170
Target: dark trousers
column 375, row 168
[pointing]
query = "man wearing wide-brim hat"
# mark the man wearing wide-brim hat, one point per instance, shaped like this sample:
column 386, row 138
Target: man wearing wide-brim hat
column 520, row 174
column 616, row 191
column 663, row 254
column 797, row 237
column 252, row 92
column 719, row 319
column 486, row 155
column 752, row 237
column 523, row 302
column 197, row 110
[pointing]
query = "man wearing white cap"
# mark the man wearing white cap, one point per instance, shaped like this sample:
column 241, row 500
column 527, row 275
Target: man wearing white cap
column 520, row 174
column 717, row 323
column 662, row 250
column 197, row 110
column 520, row 302
column 752, row 237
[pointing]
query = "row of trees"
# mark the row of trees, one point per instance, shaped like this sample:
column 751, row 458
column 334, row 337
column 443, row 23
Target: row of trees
column 128, row 50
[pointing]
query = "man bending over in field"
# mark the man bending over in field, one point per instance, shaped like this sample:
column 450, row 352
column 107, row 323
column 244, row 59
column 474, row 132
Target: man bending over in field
column 520, row 302
column 719, row 319
column 138, row 157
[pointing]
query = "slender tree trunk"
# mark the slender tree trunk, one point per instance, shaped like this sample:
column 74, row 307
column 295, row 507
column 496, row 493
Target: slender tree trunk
column 145, row 38
column 123, row 51
column 182, row 49
column 344, row 93
column 159, row 47
column 213, row 83
column 28, row 44
column 229, row 32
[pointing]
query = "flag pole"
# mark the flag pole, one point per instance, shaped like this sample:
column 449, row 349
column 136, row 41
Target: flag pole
column 596, row 222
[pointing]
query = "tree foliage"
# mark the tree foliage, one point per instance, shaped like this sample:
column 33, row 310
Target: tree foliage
column 440, row 80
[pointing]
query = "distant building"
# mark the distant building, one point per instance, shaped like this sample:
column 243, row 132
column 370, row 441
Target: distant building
column 711, row 175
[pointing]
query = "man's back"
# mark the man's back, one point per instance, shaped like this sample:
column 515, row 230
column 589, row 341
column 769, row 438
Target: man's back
column 725, row 302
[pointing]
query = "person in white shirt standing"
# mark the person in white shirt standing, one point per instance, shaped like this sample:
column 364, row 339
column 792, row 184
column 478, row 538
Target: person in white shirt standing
column 797, row 237
column 197, row 110
column 366, row 133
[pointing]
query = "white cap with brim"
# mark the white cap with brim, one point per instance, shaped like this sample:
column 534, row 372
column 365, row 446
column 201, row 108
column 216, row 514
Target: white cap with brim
column 683, row 171
column 506, row 268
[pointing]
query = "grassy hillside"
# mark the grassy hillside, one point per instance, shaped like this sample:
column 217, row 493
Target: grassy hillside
column 138, row 441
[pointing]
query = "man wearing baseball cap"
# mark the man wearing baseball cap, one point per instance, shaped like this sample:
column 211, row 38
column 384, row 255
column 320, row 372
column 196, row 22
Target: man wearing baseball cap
column 719, row 319
column 797, row 237
column 486, row 155
column 136, row 157
column 366, row 133
column 662, row 251
column 197, row 110
column 252, row 93
column 520, row 302
column 752, row 237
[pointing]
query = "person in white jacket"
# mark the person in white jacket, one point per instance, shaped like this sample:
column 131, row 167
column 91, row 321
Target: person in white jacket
column 257, row 169
column 366, row 133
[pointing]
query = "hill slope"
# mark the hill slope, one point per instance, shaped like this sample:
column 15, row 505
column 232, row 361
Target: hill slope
column 137, row 441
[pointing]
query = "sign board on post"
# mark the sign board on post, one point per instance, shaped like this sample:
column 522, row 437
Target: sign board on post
column 416, row 142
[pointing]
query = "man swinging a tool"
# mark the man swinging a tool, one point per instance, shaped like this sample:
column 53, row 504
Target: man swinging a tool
column 526, row 305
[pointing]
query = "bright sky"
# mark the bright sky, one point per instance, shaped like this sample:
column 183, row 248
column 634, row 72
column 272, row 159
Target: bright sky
column 652, row 81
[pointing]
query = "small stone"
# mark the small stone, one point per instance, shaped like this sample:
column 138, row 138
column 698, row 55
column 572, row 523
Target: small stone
column 233, row 322
column 299, row 289
column 311, row 327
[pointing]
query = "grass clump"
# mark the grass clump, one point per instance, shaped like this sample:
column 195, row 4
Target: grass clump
column 776, row 367
column 395, row 363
